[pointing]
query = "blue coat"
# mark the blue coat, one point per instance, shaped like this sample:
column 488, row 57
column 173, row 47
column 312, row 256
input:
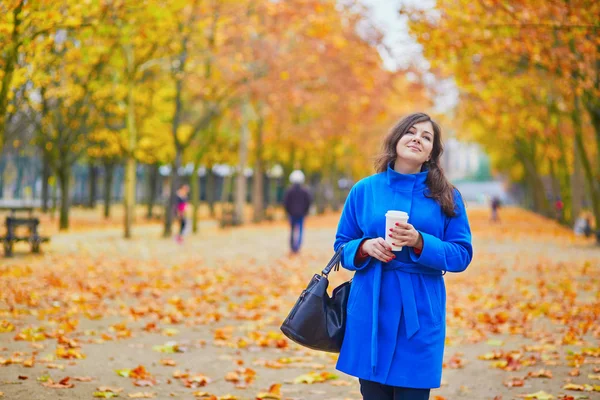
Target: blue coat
column 396, row 327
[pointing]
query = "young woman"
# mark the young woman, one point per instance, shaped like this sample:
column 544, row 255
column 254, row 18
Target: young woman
column 394, row 340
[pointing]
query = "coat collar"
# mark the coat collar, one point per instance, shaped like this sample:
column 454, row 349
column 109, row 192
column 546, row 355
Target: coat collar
column 406, row 182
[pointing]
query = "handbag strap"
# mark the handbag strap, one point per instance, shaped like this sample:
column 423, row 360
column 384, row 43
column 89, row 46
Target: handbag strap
column 334, row 262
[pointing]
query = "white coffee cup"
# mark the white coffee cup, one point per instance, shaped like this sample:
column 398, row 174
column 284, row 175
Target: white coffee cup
column 391, row 218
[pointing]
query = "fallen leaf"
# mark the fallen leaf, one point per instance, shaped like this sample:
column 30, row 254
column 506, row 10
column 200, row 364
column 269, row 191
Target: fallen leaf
column 62, row 384
column 105, row 395
column 541, row 395
column 274, row 393
column 83, row 378
column 315, row 377
column 514, row 382
column 542, row 373
column 205, row 395
column 123, row 372
column 144, row 382
column 572, row 386
column 168, row 362
column 23, row 377
column 29, row 363
column 142, row 395
column 109, row 389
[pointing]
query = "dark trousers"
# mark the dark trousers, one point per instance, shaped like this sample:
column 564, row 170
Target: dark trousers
column 377, row 391
column 181, row 226
column 296, row 233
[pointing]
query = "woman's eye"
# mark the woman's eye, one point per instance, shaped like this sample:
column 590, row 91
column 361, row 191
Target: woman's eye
column 428, row 138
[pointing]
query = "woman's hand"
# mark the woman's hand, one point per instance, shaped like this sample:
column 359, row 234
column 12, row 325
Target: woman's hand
column 379, row 249
column 404, row 234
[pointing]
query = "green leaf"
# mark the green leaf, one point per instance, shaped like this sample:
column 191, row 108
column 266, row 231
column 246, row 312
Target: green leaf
column 164, row 348
column 123, row 372
column 106, row 395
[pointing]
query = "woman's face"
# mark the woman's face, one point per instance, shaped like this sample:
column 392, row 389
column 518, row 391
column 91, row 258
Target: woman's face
column 416, row 144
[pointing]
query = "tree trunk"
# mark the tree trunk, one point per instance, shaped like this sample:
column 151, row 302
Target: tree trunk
column 45, row 184
column 129, row 198
column 536, row 186
column 54, row 199
column 240, row 192
column 258, row 200
column 170, row 206
column 109, row 172
column 563, row 177
column 64, row 178
column 210, row 190
column 93, row 175
column 130, row 163
column 152, row 187
column 20, row 165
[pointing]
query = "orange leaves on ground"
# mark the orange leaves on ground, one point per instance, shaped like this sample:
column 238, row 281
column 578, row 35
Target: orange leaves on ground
column 141, row 395
column 514, row 382
column 121, row 331
column 192, row 381
column 582, row 388
column 315, row 377
column 32, row 334
column 62, row 384
column 139, row 375
column 6, row 326
column 455, row 362
column 274, row 393
column 107, row 392
column 542, row 373
column 541, row 395
column 242, row 377
column 68, row 354
column 168, row 362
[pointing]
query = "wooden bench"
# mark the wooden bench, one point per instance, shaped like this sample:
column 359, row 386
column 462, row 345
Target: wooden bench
column 32, row 237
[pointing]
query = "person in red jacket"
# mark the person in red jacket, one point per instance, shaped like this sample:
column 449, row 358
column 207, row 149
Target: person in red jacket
column 296, row 201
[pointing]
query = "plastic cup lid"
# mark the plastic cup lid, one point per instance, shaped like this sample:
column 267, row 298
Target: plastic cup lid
column 397, row 214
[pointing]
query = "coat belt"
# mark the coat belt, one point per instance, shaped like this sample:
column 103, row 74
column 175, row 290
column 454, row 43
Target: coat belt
column 407, row 293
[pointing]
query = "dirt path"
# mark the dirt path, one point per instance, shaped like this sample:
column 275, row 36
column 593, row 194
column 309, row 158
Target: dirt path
column 529, row 303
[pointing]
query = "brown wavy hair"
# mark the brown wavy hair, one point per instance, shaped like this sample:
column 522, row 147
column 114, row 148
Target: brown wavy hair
column 439, row 188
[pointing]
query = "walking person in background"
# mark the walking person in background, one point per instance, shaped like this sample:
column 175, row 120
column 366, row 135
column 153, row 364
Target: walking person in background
column 396, row 312
column 181, row 205
column 559, row 206
column 296, row 201
column 495, row 205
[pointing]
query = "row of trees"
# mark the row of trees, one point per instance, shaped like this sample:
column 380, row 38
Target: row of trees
column 529, row 78
column 247, row 82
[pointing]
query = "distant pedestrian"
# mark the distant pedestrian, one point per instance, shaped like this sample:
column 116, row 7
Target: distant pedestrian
column 495, row 205
column 559, row 206
column 181, row 205
column 296, row 200
column 583, row 226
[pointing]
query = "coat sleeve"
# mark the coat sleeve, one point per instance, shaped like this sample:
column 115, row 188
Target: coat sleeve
column 350, row 234
column 455, row 251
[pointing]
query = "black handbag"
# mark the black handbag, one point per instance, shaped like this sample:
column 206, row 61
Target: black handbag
column 318, row 321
